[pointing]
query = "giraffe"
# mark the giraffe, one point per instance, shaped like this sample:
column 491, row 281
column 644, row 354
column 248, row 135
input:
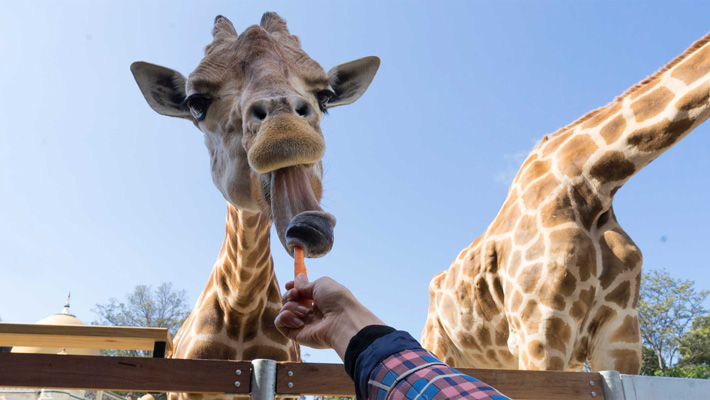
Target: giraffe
column 259, row 99
column 554, row 280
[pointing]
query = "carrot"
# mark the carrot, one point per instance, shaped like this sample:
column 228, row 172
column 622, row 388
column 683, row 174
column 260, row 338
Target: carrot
column 299, row 265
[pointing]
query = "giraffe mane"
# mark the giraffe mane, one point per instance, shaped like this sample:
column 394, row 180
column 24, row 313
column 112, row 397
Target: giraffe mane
column 695, row 46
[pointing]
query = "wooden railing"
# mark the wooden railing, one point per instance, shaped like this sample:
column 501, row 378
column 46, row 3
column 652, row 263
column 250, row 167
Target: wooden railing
column 218, row 376
column 87, row 337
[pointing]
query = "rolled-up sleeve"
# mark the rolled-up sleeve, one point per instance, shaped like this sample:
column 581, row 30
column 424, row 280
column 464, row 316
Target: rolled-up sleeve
column 395, row 366
column 417, row 374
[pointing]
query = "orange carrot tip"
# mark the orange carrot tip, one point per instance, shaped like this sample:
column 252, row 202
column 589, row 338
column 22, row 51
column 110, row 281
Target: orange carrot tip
column 299, row 265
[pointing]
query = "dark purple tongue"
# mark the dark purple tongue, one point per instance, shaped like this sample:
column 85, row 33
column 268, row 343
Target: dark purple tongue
column 297, row 215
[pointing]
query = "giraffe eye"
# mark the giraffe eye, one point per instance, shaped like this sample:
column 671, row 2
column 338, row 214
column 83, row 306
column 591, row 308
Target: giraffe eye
column 324, row 96
column 198, row 104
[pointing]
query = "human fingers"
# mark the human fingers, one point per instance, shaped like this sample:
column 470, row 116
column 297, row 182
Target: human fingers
column 303, row 288
column 287, row 321
column 291, row 295
column 289, row 285
column 299, row 310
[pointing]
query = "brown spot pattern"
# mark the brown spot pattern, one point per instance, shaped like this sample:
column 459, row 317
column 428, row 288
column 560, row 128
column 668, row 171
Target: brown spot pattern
column 574, row 154
column 619, row 254
column 535, row 170
column 579, row 251
column 626, row 361
column 652, row 104
column 644, row 87
column 536, row 250
column 581, row 306
column 210, row 319
column 620, row 295
column 604, row 218
column 485, row 305
column 268, row 329
column 559, row 285
column 555, row 142
column 603, row 315
column 515, row 300
column 628, row 332
column 529, row 277
column 537, row 193
column 502, row 332
column 586, row 203
column 213, row 351
column 557, row 211
column 514, row 263
column 525, row 231
column 695, row 98
column 659, row 136
column 463, row 293
column 491, row 259
column 613, row 129
column 511, row 211
column 468, row 342
column 602, row 115
column 694, row 68
column 263, row 351
column 549, row 297
column 557, row 333
column 637, row 290
column 554, row 364
column 612, row 166
column 531, row 316
column 483, row 336
column 498, row 289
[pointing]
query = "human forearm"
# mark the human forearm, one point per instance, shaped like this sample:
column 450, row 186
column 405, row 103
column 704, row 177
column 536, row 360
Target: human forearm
column 354, row 318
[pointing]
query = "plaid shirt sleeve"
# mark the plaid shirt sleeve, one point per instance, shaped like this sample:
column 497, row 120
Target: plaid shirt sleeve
column 417, row 374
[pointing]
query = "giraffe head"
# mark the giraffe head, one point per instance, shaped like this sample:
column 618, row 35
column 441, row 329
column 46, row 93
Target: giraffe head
column 259, row 99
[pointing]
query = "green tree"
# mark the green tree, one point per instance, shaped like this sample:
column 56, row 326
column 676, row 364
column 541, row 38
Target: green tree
column 695, row 345
column 159, row 308
column 667, row 308
column 649, row 363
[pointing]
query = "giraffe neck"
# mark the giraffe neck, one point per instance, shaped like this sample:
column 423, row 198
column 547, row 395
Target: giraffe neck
column 609, row 145
column 234, row 315
column 244, row 271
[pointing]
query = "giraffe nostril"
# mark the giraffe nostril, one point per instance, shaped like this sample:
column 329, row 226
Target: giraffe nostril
column 303, row 110
column 258, row 112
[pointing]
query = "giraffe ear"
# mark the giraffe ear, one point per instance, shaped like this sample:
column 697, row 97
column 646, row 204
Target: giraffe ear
column 350, row 80
column 163, row 89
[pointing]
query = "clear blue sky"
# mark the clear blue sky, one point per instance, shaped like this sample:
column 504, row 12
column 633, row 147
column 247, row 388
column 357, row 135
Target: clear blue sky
column 98, row 193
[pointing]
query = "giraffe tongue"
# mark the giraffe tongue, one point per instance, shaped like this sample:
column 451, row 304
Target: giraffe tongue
column 297, row 215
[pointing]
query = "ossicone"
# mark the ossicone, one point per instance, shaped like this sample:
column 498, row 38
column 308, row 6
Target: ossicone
column 273, row 23
column 223, row 27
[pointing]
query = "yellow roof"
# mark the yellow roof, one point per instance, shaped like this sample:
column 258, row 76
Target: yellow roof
column 62, row 318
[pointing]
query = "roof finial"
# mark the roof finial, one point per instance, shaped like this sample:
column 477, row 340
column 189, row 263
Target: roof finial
column 65, row 310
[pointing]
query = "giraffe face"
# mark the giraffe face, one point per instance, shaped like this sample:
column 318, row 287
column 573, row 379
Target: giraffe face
column 259, row 100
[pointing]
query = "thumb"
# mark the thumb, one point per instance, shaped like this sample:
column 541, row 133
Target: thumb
column 303, row 287
column 300, row 280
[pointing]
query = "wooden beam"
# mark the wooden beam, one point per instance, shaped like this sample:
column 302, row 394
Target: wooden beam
column 84, row 336
column 330, row 379
column 219, row 376
column 312, row 379
column 124, row 373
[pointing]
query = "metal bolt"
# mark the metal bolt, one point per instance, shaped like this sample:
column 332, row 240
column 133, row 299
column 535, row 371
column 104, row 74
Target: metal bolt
column 290, row 373
column 290, row 384
column 239, row 372
column 237, row 384
column 594, row 394
column 591, row 383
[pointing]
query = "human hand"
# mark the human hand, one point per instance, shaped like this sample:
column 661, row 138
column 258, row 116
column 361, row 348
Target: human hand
column 335, row 318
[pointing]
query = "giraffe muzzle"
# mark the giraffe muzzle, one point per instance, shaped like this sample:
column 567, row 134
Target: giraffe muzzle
column 298, row 217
